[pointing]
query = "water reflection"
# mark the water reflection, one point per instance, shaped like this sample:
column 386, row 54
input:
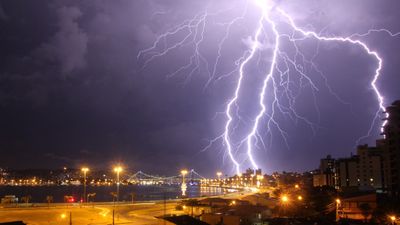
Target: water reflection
column 183, row 189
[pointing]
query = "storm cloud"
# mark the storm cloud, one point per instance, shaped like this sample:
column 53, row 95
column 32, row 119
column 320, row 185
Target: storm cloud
column 73, row 91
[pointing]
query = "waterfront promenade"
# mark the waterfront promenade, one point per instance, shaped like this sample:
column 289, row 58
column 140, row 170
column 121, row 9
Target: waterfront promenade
column 140, row 213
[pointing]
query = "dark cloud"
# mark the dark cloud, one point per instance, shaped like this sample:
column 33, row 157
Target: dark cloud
column 53, row 156
column 3, row 15
column 72, row 89
column 68, row 46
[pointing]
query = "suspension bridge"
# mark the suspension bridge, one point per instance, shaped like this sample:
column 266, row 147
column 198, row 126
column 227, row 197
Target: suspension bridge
column 141, row 177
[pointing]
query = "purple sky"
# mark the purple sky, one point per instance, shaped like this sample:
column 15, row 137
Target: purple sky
column 73, row 92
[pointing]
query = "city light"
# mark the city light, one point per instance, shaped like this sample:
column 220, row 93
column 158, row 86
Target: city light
column 337, row 209
column 284, row 198
column 84, row 170
column 268, row 74
column 118, row 169
column 183, row 185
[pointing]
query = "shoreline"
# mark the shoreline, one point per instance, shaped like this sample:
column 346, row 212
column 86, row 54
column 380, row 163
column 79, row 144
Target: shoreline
column 114, row 204
column 141, row 213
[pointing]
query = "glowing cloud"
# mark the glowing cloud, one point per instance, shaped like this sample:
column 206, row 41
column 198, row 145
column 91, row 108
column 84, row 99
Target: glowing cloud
column 276, row 75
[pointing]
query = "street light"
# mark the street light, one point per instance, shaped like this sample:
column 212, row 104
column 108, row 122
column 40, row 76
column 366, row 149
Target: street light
column 299, row 197
column 337, row 209
column 84, row 170
column 284, row 201
column 284, row 198
column 393, row 219
column 118, row 169
column 183, row 172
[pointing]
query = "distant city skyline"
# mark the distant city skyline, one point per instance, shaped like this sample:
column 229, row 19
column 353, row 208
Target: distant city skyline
column 79, row 88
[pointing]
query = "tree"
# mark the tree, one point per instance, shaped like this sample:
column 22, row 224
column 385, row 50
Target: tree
column 365, row 210
column 26, row 199
column 133, row 195
column 49, row 199
column 277, row 192
column 114, row 195
column 91, row 195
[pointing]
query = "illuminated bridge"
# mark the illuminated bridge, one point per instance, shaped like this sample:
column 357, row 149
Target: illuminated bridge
column 147, row 179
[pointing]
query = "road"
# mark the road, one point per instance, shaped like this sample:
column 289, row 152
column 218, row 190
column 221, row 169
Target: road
column 140, row 213
column 143, row 213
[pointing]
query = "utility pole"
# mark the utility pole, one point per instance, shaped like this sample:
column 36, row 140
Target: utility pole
column 337, row 209
column 165, row 206
column 84, row 170
column 70, row 218
column 118, row 170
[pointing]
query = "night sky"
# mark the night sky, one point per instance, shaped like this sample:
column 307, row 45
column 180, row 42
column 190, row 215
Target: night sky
column 73, row 91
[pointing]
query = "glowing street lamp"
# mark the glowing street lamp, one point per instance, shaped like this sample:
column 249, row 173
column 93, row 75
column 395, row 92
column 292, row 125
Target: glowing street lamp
column 183, row 172
column 284, row 202
column 118, row 170
column 337, row 209
column 392, row 219
column 300, row 198
column 84, row 170
column 284, row 199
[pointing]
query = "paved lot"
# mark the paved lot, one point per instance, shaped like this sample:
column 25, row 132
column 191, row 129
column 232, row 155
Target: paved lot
column 141, row 213
column 102, row 213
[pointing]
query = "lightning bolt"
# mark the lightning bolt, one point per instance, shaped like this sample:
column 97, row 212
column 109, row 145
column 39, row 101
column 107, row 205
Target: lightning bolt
column 286, row 74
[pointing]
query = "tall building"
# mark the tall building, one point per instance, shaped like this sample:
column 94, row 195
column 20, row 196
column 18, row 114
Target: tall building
column 347, row 172
column 370, row 167
column 391, row 148
column 327, row 164
column 363, row 171
column 325, row 176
